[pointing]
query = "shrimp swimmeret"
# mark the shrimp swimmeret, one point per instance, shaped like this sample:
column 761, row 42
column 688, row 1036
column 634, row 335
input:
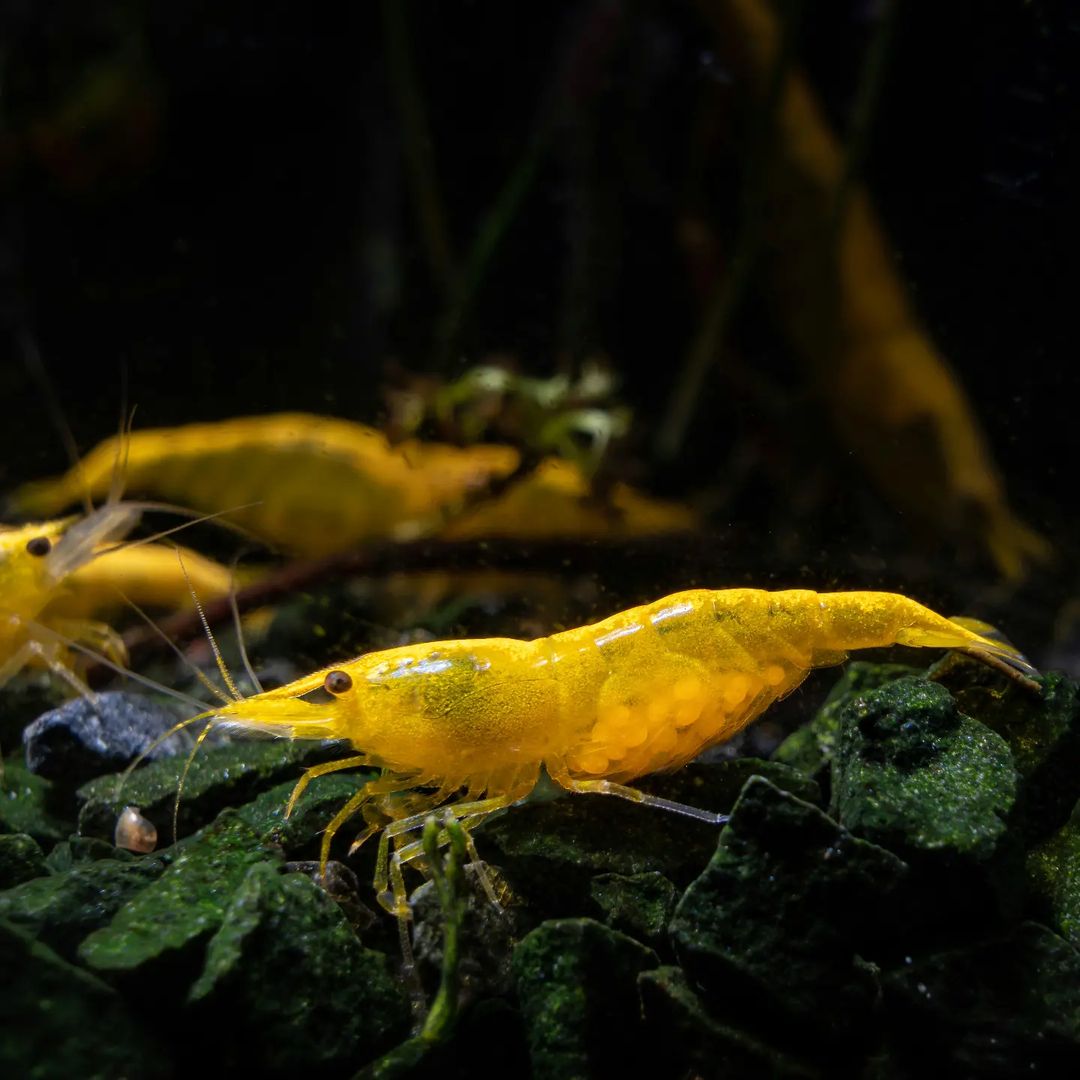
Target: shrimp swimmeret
column 642, row 691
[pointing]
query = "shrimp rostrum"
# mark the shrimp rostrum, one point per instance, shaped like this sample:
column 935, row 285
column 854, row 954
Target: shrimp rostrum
column 472, row 723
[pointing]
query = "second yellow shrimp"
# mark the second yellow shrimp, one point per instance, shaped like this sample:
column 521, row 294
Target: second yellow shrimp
column 642, row 691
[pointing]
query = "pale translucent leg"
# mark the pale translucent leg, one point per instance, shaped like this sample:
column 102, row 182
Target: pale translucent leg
column 35, row 650
column 558, row 773
column 321, row 770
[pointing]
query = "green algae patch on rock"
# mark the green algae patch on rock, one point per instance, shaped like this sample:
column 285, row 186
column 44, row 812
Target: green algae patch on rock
column 776, row 923
column 288, row 985
column 550, row 851
column 640, row 905
column 577, row 985
column 1043, row 733
column 21, row 859
column 1005, row 1007
column 914, row 774
column 694, row 1043
column 811, row 748
column 186, row 904
column 60, row 1021
column 26, row 804
column 219, row 777
column 1054, row 876
column 63, row 908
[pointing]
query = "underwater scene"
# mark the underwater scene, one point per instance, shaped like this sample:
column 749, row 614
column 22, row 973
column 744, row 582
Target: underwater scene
column 537, row 540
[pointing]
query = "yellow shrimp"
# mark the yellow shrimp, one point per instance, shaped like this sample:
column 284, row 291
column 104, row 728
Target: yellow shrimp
column 36, row 560
column 346, row 484
column 643, row 691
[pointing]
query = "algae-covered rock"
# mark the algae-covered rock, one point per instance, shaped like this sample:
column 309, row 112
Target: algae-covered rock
column 640, row 905
column 63, row 908
column 61, row 1022
column 1043, row 733
column 1005, row 1007
column 287, row 986
column 186, row 903
column 220, row 776
column 1054, row 875
column 776, row 922
column 577, row 985
column 21, row 859
column 27, row 804
column 550, row 851
column 914, row 774
column 690, row 1041
column 811, row 748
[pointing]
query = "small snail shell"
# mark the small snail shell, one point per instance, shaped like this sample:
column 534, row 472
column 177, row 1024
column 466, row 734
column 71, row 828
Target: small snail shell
column 134, row 832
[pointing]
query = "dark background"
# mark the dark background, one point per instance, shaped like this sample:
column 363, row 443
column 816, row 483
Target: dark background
column 212, row 198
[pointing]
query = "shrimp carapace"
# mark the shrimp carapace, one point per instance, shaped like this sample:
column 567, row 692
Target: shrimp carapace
column 642, row 691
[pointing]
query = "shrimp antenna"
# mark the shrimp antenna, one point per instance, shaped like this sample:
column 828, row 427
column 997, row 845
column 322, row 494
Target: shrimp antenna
column 183, row 779
column 123, row 446
column 127, row 673
column 196, row 519
column 185, row 660
column 36, row 367
column 209, row 633
column 235, row 608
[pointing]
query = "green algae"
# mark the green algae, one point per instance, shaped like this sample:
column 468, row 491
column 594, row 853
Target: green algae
column 287, row 986
column 219, row 777
column 27, row 804
column 915, row 774
column 811, row 748
column 21, row 859
column 577, row 986
column 639, row 905
column 62, row 908
column 777, row 920
column 186, row 904
column 1054, row 876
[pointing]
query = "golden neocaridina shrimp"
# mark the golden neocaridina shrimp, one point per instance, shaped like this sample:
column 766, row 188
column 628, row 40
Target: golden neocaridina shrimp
column 347, row 484
column 645, row 690
column 35, row 561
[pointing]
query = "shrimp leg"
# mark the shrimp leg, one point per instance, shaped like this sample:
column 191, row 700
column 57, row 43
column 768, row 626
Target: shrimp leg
column 321, row 770
column 559, row 774
column 30, row 650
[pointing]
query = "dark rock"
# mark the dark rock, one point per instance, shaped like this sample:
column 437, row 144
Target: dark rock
column 488, row 935
column 288, row 987
column 61, row 1021
column 219, row 776
column 28, row 695
column 20, row 859
column 84, row 737
column 549, row 852
column 640, row 905
column 915, row 775
column 63, row 908
column 186, row 904
column 82, row 849
column 811, row 748
column 1054, row 875
column 577, row 985
column 1043, row 733
column 1002, row 1008
column 778, row 920
column 27, row 805
column 694, row 1043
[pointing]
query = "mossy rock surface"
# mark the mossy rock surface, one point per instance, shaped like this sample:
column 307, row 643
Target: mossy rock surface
column 21, row 859
column 287, row 986
column 61, row 1022
column 577, row 985
column 1054, row 875
column 777, row 921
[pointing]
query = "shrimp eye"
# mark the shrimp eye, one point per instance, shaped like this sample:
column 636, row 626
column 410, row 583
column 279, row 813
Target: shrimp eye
column 38, row 546
column 337, row 682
